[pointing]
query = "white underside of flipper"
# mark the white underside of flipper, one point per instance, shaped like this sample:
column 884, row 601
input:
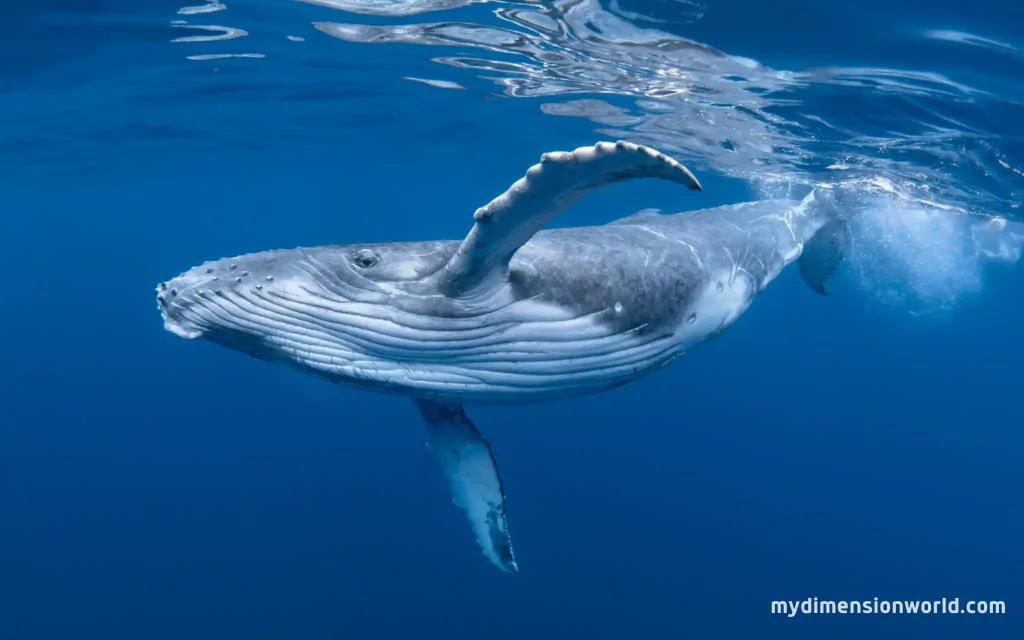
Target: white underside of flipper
column 472, row 475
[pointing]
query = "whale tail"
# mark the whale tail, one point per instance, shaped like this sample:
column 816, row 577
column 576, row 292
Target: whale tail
column 823, row 252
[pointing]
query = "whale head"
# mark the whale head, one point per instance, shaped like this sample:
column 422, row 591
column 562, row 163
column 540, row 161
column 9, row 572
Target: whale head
column 371, row 315
column 337, row 310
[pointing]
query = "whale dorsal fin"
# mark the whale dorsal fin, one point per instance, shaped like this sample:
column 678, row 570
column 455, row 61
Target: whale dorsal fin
column 643, row 214
column 548, row 188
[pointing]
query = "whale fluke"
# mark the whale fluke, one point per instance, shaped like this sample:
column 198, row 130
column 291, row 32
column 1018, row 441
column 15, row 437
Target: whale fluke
column 561, row 178
column 472, row 475
column 823, row 253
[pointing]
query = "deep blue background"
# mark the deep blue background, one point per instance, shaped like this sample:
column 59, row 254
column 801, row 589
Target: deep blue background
column 153, row 488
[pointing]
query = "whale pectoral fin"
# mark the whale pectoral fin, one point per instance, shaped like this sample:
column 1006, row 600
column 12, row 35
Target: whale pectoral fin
column 823, row 253
column 472, row 475
column 548, row 188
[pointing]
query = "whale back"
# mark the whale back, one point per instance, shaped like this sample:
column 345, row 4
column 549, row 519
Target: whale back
column 653, row 268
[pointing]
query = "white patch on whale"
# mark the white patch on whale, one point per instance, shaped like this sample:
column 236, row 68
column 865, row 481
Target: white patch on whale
column 715, row 308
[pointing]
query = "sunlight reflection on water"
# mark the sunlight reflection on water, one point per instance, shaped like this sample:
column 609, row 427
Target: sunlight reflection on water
column 909, row 147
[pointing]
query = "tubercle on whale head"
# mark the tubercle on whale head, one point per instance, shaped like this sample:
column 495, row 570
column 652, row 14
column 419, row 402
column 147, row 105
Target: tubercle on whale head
column 167, row 299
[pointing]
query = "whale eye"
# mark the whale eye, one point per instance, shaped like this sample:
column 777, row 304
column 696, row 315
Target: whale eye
column 364, row 258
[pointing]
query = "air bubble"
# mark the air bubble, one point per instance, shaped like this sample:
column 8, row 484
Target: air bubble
column 691, row 318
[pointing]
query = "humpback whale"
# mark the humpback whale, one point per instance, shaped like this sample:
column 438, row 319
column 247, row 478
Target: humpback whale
column 513, row 313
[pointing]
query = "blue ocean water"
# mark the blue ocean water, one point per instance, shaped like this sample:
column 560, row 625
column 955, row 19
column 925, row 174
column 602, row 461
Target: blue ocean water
column 865, row 444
